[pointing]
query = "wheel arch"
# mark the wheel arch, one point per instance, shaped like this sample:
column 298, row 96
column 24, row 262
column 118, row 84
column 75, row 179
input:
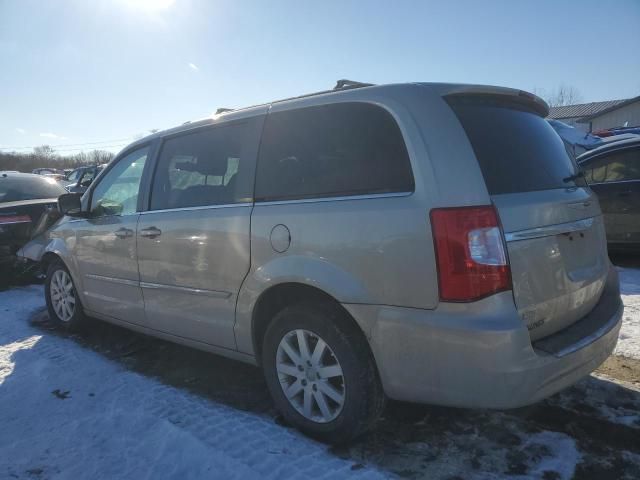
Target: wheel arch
column 49, row 257
column 52, row 255
column 279, row 296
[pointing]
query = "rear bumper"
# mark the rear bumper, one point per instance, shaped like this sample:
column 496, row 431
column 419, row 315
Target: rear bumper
column 480, row 355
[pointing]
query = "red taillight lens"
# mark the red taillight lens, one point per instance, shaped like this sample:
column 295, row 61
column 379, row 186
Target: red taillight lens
column 12, row 219
column 471, row 256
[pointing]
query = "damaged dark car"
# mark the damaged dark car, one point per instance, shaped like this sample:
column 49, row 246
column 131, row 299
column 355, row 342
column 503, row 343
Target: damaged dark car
column 28, row 206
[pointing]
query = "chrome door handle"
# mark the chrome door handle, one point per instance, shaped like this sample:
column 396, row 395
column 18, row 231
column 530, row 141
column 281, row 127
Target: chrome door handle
column 151, row 232
column 123, row 233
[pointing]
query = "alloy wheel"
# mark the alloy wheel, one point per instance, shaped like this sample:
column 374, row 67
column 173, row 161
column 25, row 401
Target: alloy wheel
column 310, row 376
column 62, row 295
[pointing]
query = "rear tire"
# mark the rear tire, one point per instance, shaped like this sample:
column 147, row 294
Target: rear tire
column 63, row 304
column 328, row 389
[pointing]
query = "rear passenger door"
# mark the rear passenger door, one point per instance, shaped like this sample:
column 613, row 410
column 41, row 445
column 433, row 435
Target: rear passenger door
column 335, row 206
column 193, row 240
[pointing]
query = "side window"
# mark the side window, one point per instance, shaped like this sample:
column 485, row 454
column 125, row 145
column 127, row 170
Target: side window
column 618, row 166
column 73, row 176
column 631, row 161
column 87, row 177
column 332, row 150
column 117, row 192
column 207, row 167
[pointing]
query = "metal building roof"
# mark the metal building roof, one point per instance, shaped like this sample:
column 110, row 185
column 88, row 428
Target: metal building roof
column 583, row 109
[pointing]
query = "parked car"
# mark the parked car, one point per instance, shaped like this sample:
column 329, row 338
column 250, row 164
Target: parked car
column 81, row 178
column 613, row 172
column 424, row 242
column 25, row 203
column 73, row 176
column 58, row 177
column 45, row 171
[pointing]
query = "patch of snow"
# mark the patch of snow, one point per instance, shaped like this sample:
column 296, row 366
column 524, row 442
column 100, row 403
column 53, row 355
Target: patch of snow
column 601, row 396
column 68, row 413
column 563, row 457
column 629, row 339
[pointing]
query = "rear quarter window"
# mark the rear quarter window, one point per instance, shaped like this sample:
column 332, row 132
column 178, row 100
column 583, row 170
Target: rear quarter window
column 332, row 150
column 517, row 150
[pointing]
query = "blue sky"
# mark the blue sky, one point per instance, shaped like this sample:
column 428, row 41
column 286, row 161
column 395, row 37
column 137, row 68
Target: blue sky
column 75, row 71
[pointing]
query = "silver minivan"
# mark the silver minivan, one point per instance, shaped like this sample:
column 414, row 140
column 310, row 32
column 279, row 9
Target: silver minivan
column 421, row 242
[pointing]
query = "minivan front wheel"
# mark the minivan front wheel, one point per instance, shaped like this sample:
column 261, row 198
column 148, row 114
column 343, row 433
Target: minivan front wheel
column 321, row 373
column 62, row 300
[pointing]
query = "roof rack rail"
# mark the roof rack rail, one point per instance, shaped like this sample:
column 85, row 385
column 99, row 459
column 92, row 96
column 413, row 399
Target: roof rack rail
column 344, row 83
column 223, row 110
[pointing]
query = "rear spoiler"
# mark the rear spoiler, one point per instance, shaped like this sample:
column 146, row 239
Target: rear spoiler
column 529, row 100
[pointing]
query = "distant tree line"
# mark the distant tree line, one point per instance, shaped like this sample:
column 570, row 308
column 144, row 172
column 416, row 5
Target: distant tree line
column 45, row 156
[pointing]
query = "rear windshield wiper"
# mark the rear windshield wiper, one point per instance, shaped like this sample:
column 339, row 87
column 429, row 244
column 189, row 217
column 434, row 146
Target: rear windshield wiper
column 572, row 178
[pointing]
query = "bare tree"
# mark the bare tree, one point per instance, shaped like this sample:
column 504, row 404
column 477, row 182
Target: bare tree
column 562, row 96
column 44, row 152
column 46, row 156
column 99, row 156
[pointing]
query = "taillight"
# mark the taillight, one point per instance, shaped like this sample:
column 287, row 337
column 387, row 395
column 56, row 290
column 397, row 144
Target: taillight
column 471, row 256
column 12, row 219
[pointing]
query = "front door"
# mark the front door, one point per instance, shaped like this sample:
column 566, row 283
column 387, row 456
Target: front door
column 193, row 243
column 106, row 242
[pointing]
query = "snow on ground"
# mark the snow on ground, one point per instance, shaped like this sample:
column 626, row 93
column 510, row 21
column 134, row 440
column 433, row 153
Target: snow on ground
column 629, row 340
column 67, row 412
column 105, row 422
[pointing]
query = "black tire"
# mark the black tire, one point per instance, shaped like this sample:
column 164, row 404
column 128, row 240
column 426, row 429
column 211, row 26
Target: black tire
column 364, row 399
column 78, row 320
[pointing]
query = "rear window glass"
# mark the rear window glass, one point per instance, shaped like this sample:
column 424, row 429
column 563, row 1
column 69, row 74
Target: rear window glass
column 17, row 188
column 332, row 150
column 518, row 151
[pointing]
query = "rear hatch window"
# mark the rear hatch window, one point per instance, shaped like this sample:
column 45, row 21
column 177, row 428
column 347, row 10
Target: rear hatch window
column 518, row 151
column 553, row 228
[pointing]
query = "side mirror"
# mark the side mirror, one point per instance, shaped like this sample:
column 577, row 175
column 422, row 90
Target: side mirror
column 69, row 204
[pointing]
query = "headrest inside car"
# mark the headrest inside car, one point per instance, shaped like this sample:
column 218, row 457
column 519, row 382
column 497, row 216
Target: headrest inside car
column 203, row 166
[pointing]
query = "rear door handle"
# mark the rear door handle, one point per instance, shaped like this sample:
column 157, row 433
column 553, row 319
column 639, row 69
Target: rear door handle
column 123, row 233
column 151, row 232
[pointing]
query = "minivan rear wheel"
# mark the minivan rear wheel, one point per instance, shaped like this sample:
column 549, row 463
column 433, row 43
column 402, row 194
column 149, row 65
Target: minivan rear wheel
column 63, row 304
column 321, row 373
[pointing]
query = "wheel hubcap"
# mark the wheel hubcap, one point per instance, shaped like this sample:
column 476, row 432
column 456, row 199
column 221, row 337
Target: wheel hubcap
column 310, row 376
column 63, row 296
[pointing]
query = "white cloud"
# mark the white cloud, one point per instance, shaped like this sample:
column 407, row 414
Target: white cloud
column 194, row 67
column 52, row 135
column 21, row 131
